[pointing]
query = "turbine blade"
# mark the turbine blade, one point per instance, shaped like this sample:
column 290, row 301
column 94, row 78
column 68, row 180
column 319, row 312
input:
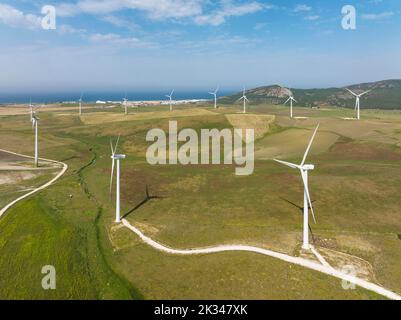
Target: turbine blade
column 287, row 100
column 118, row 140
column 362, row 94
column 111, row 147
column 288, row 164
column 112, row 175
column 309, row 146
column 351, row 92
column 294, row 100
column 303, row 174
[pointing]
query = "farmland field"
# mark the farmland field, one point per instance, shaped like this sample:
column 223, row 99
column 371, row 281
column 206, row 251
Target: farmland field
column 355, row 187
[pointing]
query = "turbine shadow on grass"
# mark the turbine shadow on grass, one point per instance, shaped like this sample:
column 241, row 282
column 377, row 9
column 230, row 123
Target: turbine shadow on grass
column 302, row 212
column 142, row 203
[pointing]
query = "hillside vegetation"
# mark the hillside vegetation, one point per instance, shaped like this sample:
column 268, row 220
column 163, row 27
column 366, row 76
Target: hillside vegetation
column 384, row 95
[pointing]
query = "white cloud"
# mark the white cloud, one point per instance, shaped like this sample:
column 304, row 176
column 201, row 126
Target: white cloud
column 230, row 10
column 156, row 9
column 260, row 26
column 67, row 29
column 377, row 16
column 116, row 39
column 162, row 9
column 302, row 8
column 16, row 18
column 312, row 18
column 121, row 22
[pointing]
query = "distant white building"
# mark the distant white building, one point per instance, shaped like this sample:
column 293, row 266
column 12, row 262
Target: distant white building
column 100, row 102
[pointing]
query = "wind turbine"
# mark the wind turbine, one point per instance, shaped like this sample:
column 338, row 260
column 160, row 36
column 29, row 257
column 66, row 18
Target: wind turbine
column 80, row 104
column 245, row 100
column 35, row 121
column 214, row 93
column 125, row 104
column 357, row 103
column 291, row 99
column 304, row 169
column 116, row 157
column 171, row 100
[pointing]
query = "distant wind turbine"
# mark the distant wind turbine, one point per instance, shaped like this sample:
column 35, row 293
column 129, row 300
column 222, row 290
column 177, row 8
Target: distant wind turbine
column 171, row 100
column 357, row 103
column 304, row 169
column 245, row 100
column 125, row 104
column 214, row 93
column 35, row 121
column 291, row 99
column 80, row 104
column 116, row 157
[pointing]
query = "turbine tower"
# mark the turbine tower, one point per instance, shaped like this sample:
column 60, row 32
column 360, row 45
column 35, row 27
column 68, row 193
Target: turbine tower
column 125, row 104
column 357, row 103
column 80, row 104
column 35, row 121
column 116, row 157
column 214, row 93
column 245, row 100
column 291, row 99
column 304, row 169
column 171, row 100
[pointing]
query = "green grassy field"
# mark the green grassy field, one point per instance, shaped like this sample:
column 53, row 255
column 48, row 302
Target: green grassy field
column 355, row 188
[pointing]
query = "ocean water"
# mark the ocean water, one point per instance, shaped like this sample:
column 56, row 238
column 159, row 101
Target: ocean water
column 11, row 98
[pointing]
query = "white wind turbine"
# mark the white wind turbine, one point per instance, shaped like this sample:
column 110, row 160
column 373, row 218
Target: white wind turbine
column 125, row 104
column 171, row 100
column 116, row 157
column 357, row 103
column 35, row 121
column 304, row 169
column 214, row 93
column 80, row 104
column 245, row 100
column 291, row 99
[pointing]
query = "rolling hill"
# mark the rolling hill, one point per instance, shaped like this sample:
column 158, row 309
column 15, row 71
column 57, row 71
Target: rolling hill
column 385, row 94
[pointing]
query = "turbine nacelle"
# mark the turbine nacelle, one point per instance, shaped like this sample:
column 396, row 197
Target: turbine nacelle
column 118, row 156
column 308, row 167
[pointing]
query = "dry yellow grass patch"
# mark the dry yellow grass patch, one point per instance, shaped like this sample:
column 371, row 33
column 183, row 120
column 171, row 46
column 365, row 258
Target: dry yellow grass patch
column 260, row 123
column 121, row 238
column 340, row 260
column 356, row 243
column 104, row 117
column 193, row 184
column 292, row 143
column 16, row 110
column 15, row 177
column 147, row 229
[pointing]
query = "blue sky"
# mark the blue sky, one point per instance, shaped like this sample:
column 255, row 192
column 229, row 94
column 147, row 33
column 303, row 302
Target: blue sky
column 196, row 44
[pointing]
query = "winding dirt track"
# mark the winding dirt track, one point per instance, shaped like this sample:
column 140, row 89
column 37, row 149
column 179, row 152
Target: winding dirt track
column 47, row 184
column 294, row 260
